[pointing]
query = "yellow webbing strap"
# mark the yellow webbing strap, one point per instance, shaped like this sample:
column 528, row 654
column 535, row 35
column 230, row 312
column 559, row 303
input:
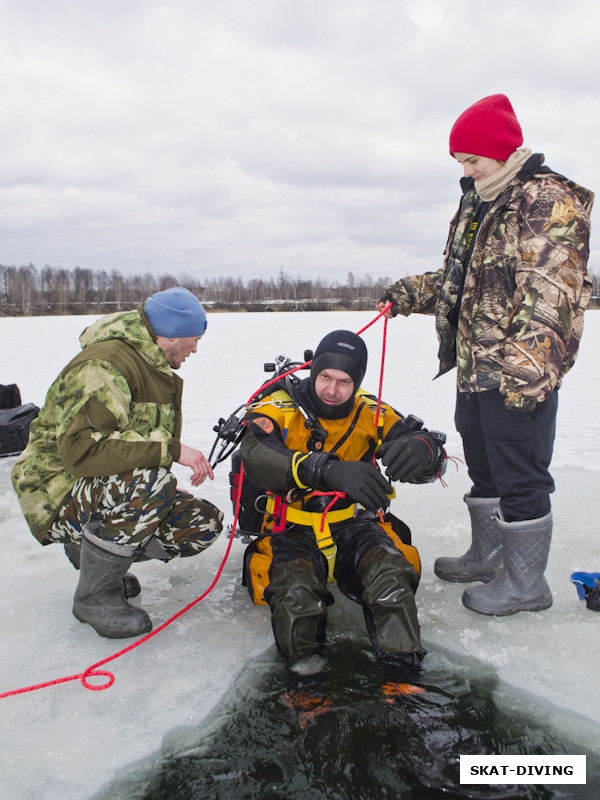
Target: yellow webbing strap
column 297, row 459
column 319, row 522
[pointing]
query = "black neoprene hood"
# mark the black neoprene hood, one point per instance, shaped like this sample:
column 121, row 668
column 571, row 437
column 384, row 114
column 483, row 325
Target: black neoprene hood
column 341, row 350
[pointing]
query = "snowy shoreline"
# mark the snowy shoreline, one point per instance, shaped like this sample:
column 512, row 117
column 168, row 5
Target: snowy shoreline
column 64, row 741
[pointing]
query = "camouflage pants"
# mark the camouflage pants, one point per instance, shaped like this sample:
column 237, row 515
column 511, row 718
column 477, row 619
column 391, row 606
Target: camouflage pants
column 129, row 508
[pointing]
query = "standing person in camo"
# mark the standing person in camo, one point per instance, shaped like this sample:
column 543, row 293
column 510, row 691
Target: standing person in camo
column 96, row 473
column 508, row 304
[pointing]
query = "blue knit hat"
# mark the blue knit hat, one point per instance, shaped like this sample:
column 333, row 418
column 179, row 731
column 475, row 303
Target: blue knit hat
column 175, row 313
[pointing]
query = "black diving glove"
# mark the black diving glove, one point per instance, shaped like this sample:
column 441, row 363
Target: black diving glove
column 408, row 457
column 362, row 482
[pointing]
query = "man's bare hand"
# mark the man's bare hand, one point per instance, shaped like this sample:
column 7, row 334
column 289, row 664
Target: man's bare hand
column 198, row 463
column 381, row 305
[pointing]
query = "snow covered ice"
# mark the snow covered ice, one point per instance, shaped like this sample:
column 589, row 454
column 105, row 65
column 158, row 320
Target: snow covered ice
column 67, row 742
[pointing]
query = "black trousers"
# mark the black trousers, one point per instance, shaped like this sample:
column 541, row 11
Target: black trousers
column 353, row 539
column 508, row 451
column 384, row 585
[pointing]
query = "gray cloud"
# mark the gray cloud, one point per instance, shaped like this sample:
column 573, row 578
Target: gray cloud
column 236, row 138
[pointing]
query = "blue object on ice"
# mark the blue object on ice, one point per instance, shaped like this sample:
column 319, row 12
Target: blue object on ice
column 585, row 580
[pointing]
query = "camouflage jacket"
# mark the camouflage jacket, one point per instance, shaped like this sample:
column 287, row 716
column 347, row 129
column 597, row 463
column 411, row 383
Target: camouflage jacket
column 516, row 322
column 115, row 406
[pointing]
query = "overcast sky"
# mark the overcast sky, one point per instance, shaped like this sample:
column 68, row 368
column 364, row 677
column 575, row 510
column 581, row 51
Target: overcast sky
column 242, row 137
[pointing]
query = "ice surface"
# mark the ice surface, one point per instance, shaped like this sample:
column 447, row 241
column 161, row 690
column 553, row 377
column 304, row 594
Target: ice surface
column 66, row 742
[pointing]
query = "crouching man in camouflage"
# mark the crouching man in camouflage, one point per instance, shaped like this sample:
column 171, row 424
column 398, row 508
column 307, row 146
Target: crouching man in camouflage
column 96, row 472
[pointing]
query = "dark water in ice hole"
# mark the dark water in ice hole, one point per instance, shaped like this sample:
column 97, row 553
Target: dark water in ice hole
column 355, row 745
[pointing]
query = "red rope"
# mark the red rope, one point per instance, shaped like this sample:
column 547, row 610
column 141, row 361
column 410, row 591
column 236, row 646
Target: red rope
column 377, row 412
column 374, row 320
column 93, row 671
column 308, row 363
column 335, row 496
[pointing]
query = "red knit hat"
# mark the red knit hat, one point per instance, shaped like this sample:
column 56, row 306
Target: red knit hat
column 487, row 128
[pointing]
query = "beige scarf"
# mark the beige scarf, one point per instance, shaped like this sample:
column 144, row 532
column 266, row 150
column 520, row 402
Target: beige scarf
column 489, row 188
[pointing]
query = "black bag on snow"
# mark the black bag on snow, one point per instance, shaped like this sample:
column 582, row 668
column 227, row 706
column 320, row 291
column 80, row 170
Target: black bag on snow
column 10, row 395
column 14, row 428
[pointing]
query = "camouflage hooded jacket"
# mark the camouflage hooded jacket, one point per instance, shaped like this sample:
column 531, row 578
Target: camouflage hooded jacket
column 114, row 407
column 516, row 322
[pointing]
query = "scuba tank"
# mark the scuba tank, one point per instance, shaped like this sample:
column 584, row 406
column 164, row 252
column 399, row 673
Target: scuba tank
column 231, row 430
column 251, row 514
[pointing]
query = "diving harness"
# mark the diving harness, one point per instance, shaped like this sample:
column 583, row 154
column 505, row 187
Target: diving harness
column 255, row 503
column 264, row 514
column 231, row 430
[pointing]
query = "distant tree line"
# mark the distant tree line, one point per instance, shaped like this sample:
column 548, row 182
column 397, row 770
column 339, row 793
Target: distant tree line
column 27, row 291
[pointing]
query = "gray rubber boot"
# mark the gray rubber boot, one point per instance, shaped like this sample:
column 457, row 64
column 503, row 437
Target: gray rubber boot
column 521, row 585
column 100, row 599
column 131, row 585
column 483, row 559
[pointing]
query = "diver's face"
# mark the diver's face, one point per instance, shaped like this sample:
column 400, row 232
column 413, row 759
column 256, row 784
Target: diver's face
column 333, row 387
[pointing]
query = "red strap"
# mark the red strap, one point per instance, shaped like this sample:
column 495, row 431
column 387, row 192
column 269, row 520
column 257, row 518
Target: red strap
column 279, row 513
